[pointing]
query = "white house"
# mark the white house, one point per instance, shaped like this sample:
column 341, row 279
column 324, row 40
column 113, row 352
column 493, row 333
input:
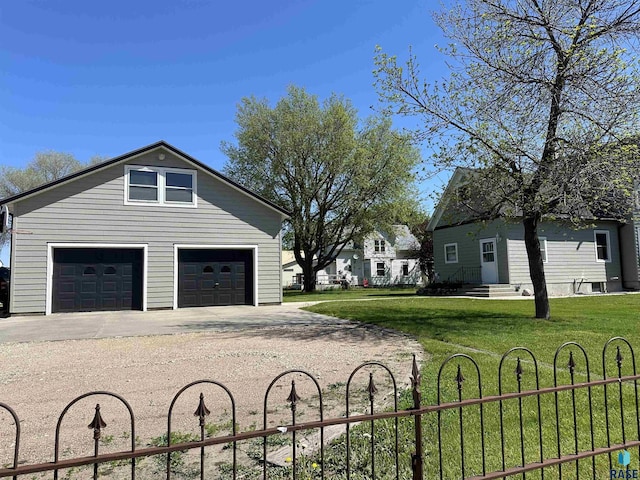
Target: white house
column 382, row 259
column 291, row 271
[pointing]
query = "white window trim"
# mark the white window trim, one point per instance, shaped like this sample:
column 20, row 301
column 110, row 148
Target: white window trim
column 51, row 246
column 177, row 247
column 380, row 246
column 595, row 245
column 445, row 252
column 385, row 269
column 162, row 186
column 543, row 240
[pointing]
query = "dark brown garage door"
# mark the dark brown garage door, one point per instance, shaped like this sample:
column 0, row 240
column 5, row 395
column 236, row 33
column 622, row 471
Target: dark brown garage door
column 215, row 277
column 95, row 279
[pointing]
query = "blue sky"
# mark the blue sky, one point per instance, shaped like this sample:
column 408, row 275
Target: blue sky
column 103, row 78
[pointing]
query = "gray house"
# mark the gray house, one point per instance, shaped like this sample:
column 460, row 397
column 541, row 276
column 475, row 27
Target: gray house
column 150, row 229
column 601, row 257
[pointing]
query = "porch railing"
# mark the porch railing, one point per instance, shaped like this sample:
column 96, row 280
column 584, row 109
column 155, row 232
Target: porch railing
column 468, row 275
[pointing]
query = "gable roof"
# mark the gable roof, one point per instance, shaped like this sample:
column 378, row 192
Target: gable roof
column 404, row 239
column 458, row 177
column 462, row 176
column 122, row 158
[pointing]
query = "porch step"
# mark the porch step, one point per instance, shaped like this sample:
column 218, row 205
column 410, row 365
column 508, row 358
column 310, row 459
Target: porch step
column 489, row 291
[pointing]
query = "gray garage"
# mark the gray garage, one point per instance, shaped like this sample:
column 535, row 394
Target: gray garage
column 151, row 229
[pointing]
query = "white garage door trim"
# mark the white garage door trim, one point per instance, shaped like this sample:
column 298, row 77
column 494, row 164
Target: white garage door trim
column 253, row 248
column 52, row 246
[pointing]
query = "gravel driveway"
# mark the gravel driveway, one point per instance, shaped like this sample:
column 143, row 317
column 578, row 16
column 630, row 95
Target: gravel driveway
column 39, row 378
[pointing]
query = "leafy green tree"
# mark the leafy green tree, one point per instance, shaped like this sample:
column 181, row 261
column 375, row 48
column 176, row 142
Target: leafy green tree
column 542, row 102
column 44, row 168
column 338, row 177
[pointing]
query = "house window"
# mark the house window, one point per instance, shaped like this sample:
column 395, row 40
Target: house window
column 405, row 269
column 451, row 253
column 143, row 186
column 178, row 187
column 488, row 254
column 379, row 245
column 380, row 270
column 543, row 248
column 603, row 246
column 160, row 186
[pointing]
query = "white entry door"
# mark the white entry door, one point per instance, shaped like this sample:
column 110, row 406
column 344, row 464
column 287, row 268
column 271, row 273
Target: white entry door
column 488, row 260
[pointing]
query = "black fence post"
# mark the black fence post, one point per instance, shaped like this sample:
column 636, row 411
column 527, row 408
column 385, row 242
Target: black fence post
column 416, row 458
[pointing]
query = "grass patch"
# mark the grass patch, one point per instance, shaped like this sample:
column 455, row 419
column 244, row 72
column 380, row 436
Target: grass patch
column 497, row 325
column 485, row 330
column 350, row 294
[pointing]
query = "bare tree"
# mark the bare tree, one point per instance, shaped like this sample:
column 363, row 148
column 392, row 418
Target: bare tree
column 542, row 101
column 338, row 178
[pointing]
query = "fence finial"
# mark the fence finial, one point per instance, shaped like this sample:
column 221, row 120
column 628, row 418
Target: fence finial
column 415, row 382
column 572, row 363
column 97, row 423
column 519, row 371
column 459, row 378
column 202, row 410
column 293, row 395
column 371, row 388
column 619, row 357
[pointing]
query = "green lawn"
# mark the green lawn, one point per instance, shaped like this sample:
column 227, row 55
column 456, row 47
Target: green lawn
column 351, row 294
column 497, row 325
column 485, row 329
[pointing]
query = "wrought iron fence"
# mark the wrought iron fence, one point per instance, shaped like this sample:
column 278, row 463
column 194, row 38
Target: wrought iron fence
column 570, row 429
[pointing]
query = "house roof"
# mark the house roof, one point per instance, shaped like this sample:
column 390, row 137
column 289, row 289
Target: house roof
column 122, row 158
column 458, row 176
column 404, row 239
column 289, row 258
column 462, row 177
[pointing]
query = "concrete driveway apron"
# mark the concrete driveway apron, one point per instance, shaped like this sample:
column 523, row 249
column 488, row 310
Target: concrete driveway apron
column 72, row 326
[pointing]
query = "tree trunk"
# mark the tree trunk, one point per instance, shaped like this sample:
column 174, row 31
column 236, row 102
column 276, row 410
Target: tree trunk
column 536, row 267
column 309, row 274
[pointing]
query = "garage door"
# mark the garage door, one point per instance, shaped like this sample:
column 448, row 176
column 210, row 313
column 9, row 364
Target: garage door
column 215, row 277
column 95, row 279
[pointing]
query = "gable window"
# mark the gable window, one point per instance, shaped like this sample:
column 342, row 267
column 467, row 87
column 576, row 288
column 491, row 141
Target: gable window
column 603, row 245
column 160, row 186
column 379, row 245
column 380, row 270
column 451, row 253
column 178, row 187
column 143, row 186
column 543, row 248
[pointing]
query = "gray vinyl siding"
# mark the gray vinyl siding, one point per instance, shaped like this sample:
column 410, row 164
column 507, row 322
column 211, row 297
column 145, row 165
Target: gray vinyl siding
column 571, row 255
column 468, row 239
column 91, row 209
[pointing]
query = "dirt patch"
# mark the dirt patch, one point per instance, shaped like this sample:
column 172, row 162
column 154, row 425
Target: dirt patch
column 39, row 379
